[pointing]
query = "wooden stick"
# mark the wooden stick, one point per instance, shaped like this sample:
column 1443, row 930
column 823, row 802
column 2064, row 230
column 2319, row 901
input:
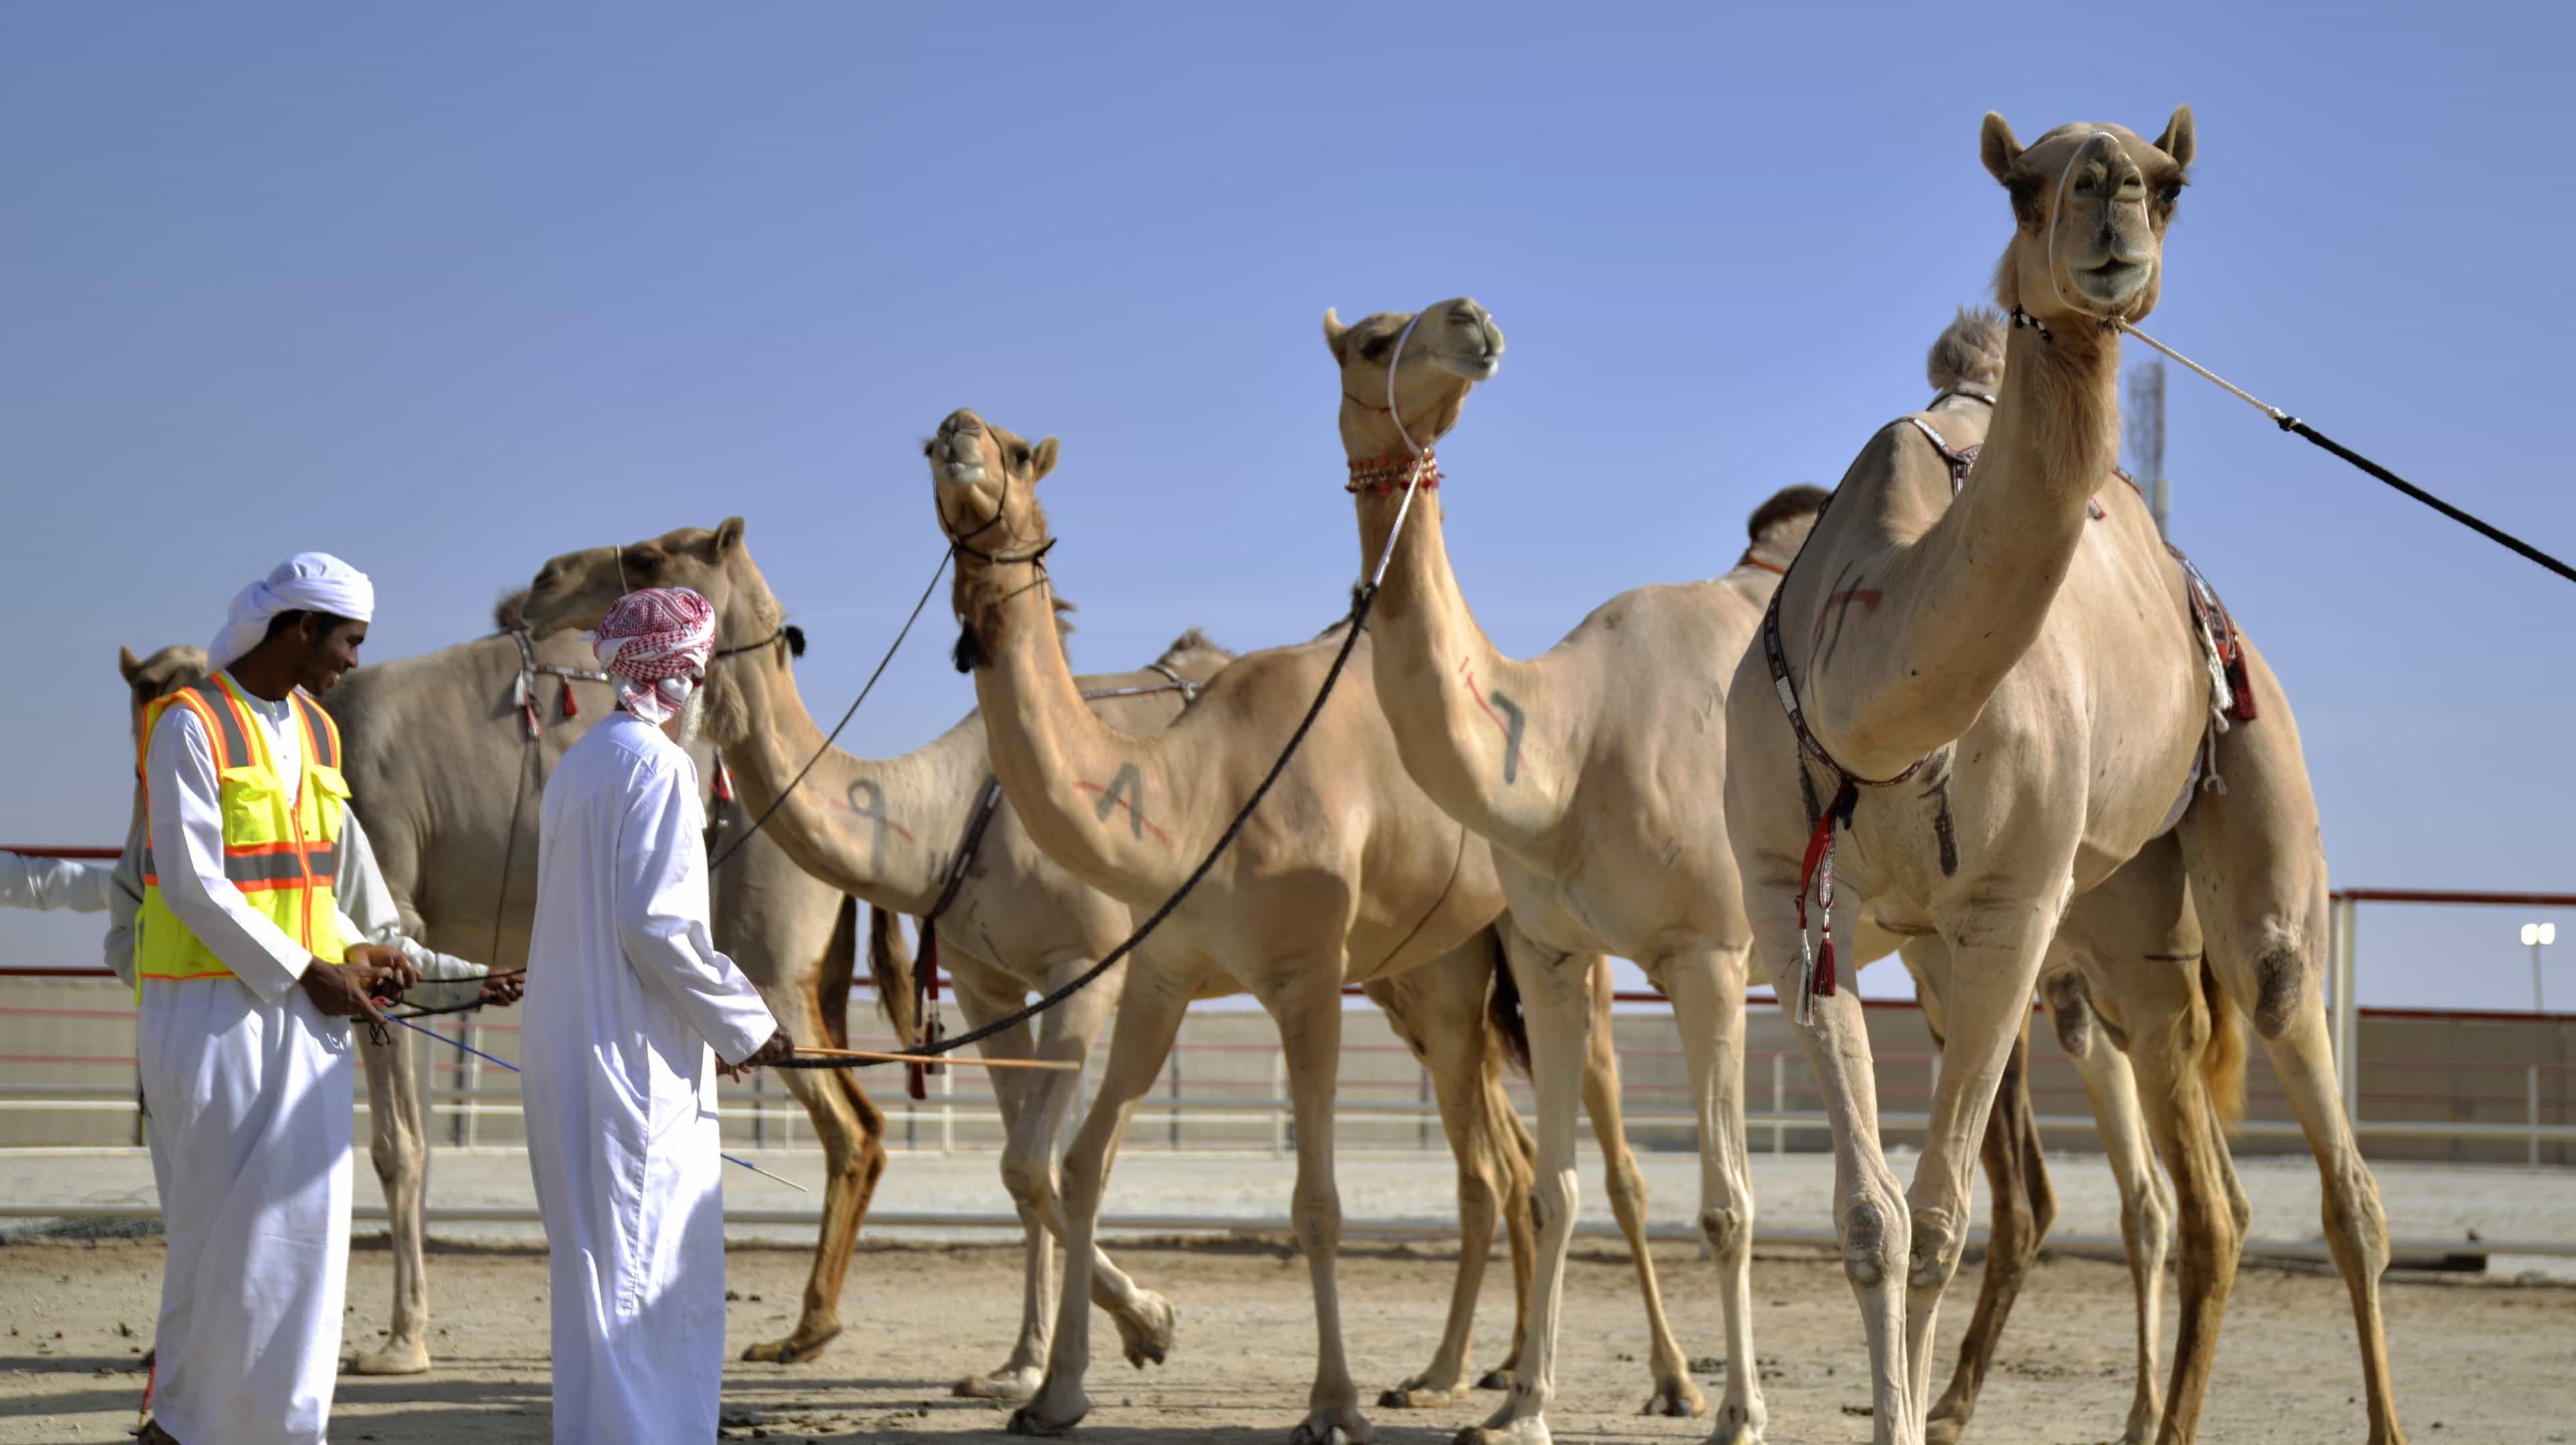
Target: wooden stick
column 871, row 1056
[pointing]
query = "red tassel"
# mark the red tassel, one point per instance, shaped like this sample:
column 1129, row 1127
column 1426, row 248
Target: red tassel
column 1825, row 965
column 724, row 782
column 916, row 1076
column 570, row 707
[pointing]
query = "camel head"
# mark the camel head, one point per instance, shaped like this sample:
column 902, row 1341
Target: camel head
column 1454, row 344
column 984, row 486
column 2090, row 206
column 1779, row 527
column 576, row 590
column 152, row 678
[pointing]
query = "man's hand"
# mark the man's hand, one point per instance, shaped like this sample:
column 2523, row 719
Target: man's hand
column 778, row 1047
column 346, row 990
column 501, row 990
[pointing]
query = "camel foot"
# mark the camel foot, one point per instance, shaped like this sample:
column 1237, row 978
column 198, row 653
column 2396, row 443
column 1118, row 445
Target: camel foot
column 796, row 1349
column 1676, row 1398
column 1057, row 1417
column 1011, row 1382
column 1527, row 1430
column 1944, row 1429
column 394, row 1357
column 1420, row 1393
column 1740, row 1424
column 1497, row 1378
column 1325, row 1426
column 1146, row 1332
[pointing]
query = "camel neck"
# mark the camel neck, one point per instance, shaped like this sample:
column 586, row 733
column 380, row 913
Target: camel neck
column 1097, row 801
column 1459, row 708
column 879, row 830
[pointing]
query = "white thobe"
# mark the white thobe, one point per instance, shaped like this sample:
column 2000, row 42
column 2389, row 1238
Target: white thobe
column 629, row 1006
column 248, row 1088
column 46, row 883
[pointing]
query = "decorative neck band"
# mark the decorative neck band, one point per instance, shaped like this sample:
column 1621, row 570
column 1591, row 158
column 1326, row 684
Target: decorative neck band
column 1386, row 476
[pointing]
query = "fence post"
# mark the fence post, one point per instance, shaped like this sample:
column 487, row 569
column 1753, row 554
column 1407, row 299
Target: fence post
column 947, row 1110
column 1176, row 1095
column 2347, row 1009
column 2532, row 1113
column 469, row 1122
column 1779, row 1104
column 1278, row 1111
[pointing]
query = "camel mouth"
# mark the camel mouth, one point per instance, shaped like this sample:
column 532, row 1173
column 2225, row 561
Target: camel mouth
column 1473, row 368
column 965, row 471
column 2114, row 280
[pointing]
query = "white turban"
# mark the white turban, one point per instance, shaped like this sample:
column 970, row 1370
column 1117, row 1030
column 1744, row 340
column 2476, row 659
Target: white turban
column 305, row 582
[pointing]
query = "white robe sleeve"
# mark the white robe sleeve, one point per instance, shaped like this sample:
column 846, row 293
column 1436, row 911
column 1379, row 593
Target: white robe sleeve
column 188, row 856
column 124, row 902
column 662, row 916
column 368, row 912
column 48, row 883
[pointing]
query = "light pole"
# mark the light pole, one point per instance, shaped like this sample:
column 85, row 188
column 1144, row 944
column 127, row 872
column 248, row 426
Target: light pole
column 2535, row 936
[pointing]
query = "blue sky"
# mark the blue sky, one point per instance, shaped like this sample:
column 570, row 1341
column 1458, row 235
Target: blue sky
column 451, row 290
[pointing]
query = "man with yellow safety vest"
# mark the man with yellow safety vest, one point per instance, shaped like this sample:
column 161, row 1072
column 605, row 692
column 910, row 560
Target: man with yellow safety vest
column 247, row 977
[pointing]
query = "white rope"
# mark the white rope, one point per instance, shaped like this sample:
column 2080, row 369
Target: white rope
column 1414, row 478
column 2231, row 388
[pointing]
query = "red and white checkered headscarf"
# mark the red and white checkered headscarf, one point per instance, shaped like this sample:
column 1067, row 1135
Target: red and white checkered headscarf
column 655, row 645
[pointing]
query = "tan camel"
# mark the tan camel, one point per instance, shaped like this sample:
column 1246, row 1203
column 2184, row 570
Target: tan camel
column 2031, row 672
column 888, row 831
column 1595, row 769
column 1346, row 871
column 434, row 743
column 1595, row 786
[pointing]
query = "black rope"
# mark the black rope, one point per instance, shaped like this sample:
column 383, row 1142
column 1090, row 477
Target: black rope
column 829, row 738
column 1363, row 599
column 2297, row 427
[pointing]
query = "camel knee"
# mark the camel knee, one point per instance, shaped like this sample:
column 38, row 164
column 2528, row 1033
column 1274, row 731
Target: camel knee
column 1936, row 1243
column 397, row 1157
column 1729, row 1231
column 2280, row 987
column 1870, row 1229
column 1551, row 1199
column 1030, row 1178
column 2352, row 1209
column 1317, row 1213
column 2068, row 1010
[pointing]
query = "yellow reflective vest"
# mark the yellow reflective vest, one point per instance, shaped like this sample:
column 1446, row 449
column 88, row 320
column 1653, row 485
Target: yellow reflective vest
column 281, row 843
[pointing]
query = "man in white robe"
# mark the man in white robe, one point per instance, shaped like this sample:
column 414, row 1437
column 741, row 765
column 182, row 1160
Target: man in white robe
column 245, row 1071
column 630, row 1010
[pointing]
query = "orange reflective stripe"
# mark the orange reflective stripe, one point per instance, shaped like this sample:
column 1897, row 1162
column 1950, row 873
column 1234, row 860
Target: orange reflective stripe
column 321, row 739
column 225, row 731
column 255, row 738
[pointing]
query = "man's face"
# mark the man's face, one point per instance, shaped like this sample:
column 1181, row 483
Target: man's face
column 330, row 655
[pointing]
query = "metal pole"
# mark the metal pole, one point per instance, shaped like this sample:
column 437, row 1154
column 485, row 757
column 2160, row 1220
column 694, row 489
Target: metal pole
column 2347, row 1011
column 2531, row 1083
column 1278, row 1115
column 1779, row 1105
column 1176, row 1096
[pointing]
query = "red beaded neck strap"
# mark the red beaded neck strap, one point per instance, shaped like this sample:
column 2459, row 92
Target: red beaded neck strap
column 1386, row 476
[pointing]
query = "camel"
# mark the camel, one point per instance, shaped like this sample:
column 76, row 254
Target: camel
column 1346, row 872
column 2029, row 663
column 1595, row 770
column 888, row 831
column 434, row 747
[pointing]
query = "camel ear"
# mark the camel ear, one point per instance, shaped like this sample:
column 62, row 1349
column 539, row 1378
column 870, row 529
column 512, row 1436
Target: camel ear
column 1336, row 335
column 128, row 663
column 2177, row 140
column 1997, row 147
column 728, row 535
column 1042, row 460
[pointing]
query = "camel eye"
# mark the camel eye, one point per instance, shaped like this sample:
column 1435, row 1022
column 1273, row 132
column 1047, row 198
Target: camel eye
column 1376, row 348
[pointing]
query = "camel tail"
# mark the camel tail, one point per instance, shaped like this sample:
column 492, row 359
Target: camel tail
column 889, row 968
column 1503, row 1013
column 2222, row 1064
column 1969, row 356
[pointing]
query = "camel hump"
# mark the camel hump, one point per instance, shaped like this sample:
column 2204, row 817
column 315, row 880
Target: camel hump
column 505, row 612
column 1969, row 355
column 1786, row 505
column 1192, row 641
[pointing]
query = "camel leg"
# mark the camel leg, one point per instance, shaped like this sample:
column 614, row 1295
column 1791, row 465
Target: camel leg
column 1309, row 1015
column 2258, row 880
column 1707, row 989
column 1150, row 1011
column 1034, row 1106
column 2146, row 1200
column 398, row 1145
column 1553, row 1000
column 1996, row 955
column 1442, row 1021
column 1516, row 1160
column 2022, row 1207
column 852, row 1131
column 2164, row 1056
